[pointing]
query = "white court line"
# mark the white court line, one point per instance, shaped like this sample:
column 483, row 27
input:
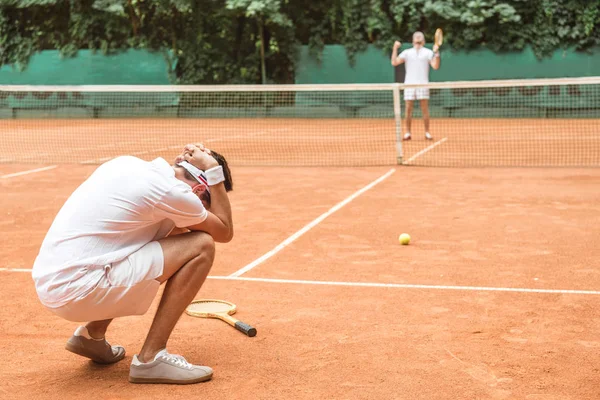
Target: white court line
column 70, row 150
column 407, row 286
column 31, row 171
column 425, row 150
column 380, row 285
column 15, row 269
column 310, row 225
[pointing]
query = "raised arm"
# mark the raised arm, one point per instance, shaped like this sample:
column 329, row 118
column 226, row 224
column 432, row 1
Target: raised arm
column 435, row 61
column 395, row 59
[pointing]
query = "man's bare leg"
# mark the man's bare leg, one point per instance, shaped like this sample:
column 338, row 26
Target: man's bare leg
column 188, row 259
column 409, row 111
column 425, row 112
column 97, row 329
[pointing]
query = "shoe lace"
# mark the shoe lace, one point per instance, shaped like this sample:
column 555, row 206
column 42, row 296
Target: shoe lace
column 177, row 360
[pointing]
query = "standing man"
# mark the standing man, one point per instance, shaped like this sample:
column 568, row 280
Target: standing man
column 418, row 59
column 110, row 248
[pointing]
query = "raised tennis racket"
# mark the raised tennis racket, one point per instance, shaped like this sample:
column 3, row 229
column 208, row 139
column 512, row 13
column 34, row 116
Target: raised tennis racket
column 439, row 37
column 220, row 309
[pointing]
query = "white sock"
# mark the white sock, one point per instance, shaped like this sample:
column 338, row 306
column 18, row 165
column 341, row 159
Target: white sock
column 136, row 361
column 161, row 353
column 83, row 331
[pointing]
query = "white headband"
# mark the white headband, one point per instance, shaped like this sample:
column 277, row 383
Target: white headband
column 197, row 173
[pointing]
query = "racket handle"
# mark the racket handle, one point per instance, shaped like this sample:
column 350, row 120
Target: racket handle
column 245, row 329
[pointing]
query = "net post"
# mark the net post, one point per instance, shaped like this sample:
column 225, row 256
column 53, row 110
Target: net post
column 398, row 122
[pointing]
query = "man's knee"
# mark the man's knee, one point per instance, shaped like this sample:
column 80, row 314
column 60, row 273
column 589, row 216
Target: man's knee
column 179, row 250
column 204, row 245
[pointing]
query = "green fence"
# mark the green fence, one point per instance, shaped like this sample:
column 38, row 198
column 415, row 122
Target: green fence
column 372, row 66
column 134, row 67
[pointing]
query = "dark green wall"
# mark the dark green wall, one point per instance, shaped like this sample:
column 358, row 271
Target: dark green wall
column 373, row 66
column 134, row 67
column 138, row 67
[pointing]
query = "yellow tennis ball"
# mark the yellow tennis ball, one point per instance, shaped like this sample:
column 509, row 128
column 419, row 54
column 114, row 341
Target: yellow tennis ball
column 404, row 238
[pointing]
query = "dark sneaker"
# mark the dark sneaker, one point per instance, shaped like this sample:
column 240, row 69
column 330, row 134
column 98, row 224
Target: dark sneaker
column 99, row 351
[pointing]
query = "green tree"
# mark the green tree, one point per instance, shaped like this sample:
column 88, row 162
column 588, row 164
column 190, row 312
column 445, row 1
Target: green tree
column 272, row 25
column 252, row 41
column 29, row 26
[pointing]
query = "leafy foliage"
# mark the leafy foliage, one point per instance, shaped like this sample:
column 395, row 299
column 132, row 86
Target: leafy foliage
column 220, row 41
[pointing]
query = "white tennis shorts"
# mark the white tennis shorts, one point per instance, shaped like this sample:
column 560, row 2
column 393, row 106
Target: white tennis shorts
column 416, row 94
column 127, row 287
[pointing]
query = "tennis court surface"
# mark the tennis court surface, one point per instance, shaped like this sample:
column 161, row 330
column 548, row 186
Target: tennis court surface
column 496, row 297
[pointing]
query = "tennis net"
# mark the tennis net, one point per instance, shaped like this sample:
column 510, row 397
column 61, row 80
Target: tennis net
column 544, row 122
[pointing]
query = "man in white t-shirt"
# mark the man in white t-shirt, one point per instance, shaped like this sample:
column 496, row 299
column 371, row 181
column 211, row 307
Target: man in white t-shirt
column 112, row 245
column 417, row 59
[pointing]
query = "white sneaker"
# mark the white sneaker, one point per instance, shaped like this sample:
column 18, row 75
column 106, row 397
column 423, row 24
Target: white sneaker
column 167, row 368
column 407, row 136
column 428, row 136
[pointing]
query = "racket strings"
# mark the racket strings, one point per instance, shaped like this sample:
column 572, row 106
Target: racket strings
column 206, row 307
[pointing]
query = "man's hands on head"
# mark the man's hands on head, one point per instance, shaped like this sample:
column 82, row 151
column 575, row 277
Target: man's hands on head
column 219, row 223
column 197, row 155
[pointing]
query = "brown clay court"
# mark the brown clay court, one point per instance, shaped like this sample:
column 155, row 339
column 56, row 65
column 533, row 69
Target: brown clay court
column 483, row 142
column 496, row 297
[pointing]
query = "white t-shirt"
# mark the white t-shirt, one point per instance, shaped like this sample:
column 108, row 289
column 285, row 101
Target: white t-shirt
column 417, row 65
column 125, row 204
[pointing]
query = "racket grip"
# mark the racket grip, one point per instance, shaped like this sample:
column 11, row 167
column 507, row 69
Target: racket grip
column 245, row 329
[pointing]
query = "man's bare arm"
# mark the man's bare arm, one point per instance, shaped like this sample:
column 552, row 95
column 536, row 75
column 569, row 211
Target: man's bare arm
column 394, row 59
column 435, row 62
column 219, row 223
column 177, row 231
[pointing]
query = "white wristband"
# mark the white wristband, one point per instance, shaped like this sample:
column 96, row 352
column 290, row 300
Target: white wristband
column 214, row 176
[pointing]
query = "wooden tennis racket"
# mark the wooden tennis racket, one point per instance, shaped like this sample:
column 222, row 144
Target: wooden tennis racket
column 219, row 309
column 439, row 37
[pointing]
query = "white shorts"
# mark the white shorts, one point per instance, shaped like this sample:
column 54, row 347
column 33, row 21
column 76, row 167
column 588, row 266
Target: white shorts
column 416, row 94
column 127, row 287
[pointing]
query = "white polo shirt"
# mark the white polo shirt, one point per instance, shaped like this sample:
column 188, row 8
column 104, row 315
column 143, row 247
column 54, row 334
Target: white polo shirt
column 417, row 65
column 125, row 204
